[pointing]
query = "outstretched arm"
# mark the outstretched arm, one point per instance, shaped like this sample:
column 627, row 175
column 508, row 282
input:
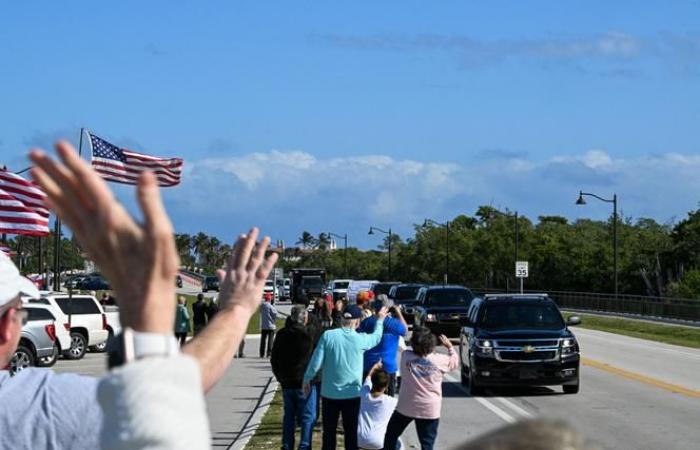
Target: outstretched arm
column 242, row 284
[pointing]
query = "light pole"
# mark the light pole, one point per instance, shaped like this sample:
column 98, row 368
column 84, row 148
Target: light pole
column 447, row 245
column 390, row 234
column 345, row 249
column 582, row 201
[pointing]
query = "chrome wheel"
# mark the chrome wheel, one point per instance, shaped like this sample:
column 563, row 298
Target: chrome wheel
column 21, row 360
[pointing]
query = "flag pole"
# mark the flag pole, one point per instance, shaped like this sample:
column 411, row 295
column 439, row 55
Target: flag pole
column 57, row 236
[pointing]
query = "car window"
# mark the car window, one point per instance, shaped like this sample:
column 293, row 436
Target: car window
column 39, row 314
column 540, row 316
column 405, row 293
column 449, row 297
column 341, row 285
column 79, row 305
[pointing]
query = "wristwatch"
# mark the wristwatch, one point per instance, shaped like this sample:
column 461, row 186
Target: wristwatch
column 132, row 345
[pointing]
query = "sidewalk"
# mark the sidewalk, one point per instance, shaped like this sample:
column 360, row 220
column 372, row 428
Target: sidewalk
column 237, row 403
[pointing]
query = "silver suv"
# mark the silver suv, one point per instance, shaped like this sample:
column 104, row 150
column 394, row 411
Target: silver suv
column 38, row 339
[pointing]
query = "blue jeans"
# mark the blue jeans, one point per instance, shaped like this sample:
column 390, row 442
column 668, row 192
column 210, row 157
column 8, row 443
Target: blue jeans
column 426, row 429
column 298, row 408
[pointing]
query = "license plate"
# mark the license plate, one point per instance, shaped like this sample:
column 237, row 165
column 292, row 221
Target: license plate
column 528, row 374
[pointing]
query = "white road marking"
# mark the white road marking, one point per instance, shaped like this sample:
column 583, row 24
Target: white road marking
column 514, row 407
column 487, row 404
column 632, row 342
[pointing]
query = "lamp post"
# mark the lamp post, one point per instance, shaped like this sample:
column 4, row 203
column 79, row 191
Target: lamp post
column 345, row 249
column 582, row 201
column 447, row 245
column 390, row 234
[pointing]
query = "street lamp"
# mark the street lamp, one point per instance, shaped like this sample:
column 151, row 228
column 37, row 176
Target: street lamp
column 517, row 230
column 345, row 249
column 390, row 234
column 447, row 244
column 581, row 201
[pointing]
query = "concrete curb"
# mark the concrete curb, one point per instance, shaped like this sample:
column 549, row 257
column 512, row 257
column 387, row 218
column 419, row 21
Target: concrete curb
column 251, row 425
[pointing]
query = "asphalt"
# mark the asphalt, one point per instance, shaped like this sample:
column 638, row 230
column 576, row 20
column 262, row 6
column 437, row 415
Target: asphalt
column 612, row 409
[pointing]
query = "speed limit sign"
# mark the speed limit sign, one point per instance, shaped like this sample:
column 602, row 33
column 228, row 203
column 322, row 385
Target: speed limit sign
column 521, row 269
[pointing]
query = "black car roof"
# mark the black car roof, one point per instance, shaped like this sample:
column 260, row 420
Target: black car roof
column 448, row 286
column 516, row 297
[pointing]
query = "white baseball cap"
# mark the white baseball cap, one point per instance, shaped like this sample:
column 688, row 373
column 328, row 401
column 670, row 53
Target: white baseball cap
column 12, row 283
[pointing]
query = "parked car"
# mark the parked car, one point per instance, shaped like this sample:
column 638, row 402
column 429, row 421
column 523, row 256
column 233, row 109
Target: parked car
column 93, row 283
column 406, row 297
column 516, row 339
column 63, row 339
column 86, row 318
column 287, row 288
column 442, row 309
column 37, row 339
column 73, row 281
column 114, row 327
column 356, row 286
column 210, row 284
column 383, row 287
column 270, row 288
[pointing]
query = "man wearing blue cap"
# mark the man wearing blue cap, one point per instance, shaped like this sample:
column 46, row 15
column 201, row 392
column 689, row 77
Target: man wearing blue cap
column 339, row 354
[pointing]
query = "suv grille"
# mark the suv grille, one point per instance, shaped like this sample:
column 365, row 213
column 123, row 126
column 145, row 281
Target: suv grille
column 526, row 350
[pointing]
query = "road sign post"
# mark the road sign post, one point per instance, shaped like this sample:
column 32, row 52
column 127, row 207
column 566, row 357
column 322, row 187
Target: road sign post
column 522, row 271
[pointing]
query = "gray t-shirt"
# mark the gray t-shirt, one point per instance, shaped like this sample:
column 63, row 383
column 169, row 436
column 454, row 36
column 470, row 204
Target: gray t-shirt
column 268, row 316
column 42, row 409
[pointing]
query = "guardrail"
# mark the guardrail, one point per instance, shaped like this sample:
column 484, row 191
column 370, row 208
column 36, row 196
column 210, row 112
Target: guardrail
column 663, row 307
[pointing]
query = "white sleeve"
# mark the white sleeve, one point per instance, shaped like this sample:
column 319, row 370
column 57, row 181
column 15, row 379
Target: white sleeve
column 147, row 403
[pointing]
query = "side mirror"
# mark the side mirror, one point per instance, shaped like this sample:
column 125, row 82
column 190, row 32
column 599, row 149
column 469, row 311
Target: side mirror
column 573, row 320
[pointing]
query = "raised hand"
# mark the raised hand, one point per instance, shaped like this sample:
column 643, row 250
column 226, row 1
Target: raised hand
column 139, row 260
column 243, row 280
column 444, row 341
column 381, row 314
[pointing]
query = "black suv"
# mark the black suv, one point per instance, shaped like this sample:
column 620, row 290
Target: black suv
column 405, row 295
column 515, row 340
column 383, row 287
column 210, row 283
column 442, row 309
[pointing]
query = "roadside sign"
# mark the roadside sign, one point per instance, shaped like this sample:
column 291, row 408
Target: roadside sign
column 521, row 269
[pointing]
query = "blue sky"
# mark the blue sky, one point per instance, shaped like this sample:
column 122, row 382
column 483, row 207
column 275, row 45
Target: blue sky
column 340, row 115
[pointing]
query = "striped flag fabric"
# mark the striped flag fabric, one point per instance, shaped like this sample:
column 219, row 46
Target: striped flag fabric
column 124, row 166
column 22, row 206
column 6, row 250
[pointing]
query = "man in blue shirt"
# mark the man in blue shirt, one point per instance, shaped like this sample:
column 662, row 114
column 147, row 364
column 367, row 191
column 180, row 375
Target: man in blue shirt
column 339, row 356
column 386, row 351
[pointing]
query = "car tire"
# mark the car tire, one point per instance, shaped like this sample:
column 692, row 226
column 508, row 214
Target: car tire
column 101, row 348
column 571, row 388
column 22, row 359
column 48, row 361
column 464, row 378
column 78, row 346
column 475, row 390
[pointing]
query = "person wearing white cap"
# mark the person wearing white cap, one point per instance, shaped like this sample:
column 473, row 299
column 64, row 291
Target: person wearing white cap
column 42, row 409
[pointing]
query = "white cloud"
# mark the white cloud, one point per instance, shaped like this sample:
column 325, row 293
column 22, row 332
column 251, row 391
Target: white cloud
column 290, row 191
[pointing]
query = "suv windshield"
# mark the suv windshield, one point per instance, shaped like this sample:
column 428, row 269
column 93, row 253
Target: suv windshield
column 449, row 297
column 382, row 288
column 537, row 316
column 406, row 293
column 341, row 285
column 312, row 282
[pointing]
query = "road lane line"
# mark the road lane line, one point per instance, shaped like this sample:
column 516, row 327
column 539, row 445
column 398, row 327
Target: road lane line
column 630, row 343
column 514, row 407
column 641, row 378
column 487, row 404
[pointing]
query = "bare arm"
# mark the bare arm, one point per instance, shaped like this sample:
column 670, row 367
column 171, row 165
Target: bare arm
column 241, row 290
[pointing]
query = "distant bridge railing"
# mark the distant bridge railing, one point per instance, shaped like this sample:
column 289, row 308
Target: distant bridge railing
column 660, row 307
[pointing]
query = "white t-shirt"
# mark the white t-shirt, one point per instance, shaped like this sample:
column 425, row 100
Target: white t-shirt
column 374, row 417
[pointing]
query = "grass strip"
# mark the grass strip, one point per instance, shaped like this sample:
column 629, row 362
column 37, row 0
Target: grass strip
column 668, row 334
column 268, row 435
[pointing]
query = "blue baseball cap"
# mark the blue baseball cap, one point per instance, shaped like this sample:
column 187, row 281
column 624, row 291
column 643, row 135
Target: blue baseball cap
column 352, row 312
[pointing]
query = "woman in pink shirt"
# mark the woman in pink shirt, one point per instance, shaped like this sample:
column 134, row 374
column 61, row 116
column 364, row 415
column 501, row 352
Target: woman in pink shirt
column 420, row 397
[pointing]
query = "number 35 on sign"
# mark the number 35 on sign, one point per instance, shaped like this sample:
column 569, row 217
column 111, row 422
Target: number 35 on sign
column 521, row 269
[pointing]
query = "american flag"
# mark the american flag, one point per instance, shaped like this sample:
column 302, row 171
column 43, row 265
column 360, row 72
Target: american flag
column 6, row 250
column 22, row 207
column 124, row 166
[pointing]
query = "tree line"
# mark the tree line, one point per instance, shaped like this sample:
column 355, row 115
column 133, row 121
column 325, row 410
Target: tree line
column 654, row 259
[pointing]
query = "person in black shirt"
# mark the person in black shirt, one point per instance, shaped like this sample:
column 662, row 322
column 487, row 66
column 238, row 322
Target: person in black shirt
column 199, row 314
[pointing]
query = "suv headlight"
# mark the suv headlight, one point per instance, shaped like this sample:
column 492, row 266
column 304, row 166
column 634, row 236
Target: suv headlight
column 431, row 318
column 568, row 346
column 484, row 347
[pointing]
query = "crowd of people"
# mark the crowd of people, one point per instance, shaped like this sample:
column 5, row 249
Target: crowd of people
column 349, row 365
column 153, row 395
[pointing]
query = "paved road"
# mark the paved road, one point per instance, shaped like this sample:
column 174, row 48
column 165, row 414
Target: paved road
column 615, row 411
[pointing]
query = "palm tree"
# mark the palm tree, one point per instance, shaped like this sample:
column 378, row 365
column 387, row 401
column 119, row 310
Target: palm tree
column 200, row 243
column 183, row 242
column 307, row 240
column 324, row 241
